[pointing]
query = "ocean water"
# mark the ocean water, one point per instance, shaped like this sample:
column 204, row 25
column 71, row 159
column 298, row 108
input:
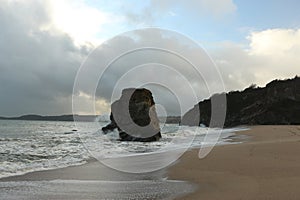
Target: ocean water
column 27, row 146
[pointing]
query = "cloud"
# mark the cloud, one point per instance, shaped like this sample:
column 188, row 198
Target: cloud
column 156, row 9
column 275, row 42
column 39, row 62
column 37, row 66
column 81, row 21
column 270, row 54
column 209, row 7
column 171, row 78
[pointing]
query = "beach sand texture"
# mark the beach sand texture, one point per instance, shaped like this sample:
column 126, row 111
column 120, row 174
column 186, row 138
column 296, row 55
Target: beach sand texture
column 266, row 167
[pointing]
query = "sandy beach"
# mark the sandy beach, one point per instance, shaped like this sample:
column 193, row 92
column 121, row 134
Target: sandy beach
column 92, row 181
column 266, row 167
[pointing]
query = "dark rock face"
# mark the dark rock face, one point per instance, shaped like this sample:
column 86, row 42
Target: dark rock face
column 276, row 104
column 134, row 116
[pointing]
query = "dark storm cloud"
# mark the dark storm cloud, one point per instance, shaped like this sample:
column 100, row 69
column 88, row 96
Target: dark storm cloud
column 37, row 67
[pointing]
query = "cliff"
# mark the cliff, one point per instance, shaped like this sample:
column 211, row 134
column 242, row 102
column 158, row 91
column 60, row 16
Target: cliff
column 276, row 104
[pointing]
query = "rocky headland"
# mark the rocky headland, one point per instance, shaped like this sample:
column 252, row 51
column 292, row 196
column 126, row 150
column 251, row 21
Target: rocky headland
column 278, row 103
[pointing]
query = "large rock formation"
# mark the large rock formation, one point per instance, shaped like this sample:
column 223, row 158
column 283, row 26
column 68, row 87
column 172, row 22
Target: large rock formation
column 276, row 104
column 134, row 116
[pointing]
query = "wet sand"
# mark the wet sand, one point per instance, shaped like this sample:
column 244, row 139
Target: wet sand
column 266, row 167
column 92, row 181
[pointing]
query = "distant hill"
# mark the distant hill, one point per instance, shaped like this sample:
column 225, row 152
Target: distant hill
column 84, row 118
column 276, row 104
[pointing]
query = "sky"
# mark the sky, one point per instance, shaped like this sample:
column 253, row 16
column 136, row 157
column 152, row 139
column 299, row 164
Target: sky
column 43, row 44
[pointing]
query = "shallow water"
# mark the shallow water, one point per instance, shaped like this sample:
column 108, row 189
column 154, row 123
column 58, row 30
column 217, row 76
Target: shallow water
column 27, row 146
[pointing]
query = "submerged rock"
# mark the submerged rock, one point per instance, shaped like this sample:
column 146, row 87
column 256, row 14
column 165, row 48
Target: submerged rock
column 134, row 116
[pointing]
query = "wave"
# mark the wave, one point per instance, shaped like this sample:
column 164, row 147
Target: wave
column 50, row 145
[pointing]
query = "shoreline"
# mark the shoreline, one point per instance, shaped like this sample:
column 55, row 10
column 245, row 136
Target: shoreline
column 92, row 181
column 266, row 167
column 154, row 185
column 67, row 172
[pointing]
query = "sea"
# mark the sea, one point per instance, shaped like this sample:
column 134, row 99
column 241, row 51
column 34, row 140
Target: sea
column 28, row 146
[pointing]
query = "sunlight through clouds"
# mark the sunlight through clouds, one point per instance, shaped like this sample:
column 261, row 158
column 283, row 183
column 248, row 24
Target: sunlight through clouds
column 82, row 22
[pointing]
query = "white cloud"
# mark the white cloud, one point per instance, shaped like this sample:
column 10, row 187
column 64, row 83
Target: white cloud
column 274, row 42
column 270, row 54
